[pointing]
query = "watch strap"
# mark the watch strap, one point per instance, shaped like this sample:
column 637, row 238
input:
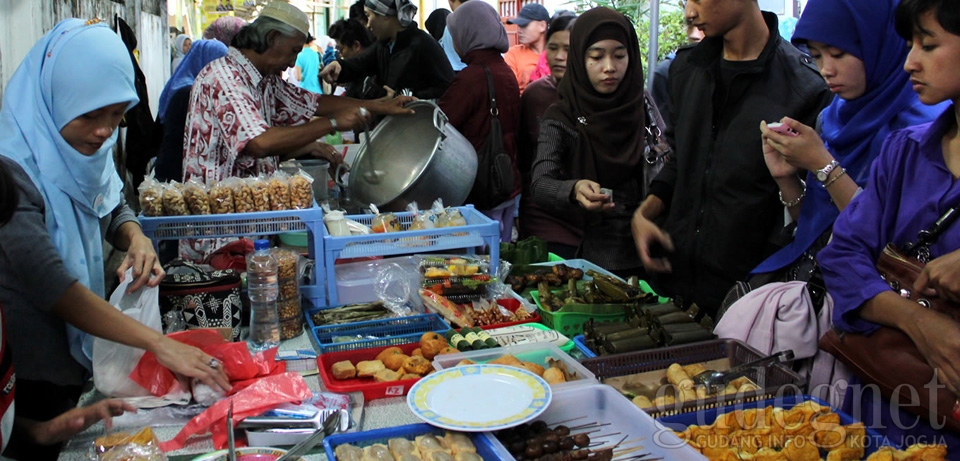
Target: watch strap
column 823, row 174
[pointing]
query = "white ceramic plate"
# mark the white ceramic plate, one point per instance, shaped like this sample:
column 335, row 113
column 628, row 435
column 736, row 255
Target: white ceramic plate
column 246, row 454
column 478, row 398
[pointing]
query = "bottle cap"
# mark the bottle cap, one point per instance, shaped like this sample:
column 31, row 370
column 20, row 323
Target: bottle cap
column 261, row 244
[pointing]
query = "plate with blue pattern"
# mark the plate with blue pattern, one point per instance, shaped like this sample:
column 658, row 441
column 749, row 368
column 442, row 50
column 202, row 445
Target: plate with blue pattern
column 477, row 398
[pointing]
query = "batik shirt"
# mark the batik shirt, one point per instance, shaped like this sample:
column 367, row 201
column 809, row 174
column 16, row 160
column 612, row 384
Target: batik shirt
column 230, row 104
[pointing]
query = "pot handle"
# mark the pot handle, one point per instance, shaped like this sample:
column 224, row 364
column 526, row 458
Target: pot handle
column 342, row 169
column 440, row 121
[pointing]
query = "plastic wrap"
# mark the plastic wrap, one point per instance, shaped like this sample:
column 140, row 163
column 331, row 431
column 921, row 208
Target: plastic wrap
column 396, row 288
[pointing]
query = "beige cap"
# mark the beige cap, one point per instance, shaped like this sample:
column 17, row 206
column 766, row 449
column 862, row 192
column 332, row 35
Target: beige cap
column 287, row 14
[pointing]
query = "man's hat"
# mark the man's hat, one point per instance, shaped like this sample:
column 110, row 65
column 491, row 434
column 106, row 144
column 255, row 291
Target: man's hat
column 530, row 12
column 287, row 14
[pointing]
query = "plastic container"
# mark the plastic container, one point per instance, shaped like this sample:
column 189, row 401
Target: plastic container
column 291, row 328
column 579, row 341
column 355, row 281
column 773, row 380
column 707, row 416
column 262, row 288
column 599, row 404
column 375, row 333
column 366, row 438
column 370, row 388
column 536, row 352
column 570, row 319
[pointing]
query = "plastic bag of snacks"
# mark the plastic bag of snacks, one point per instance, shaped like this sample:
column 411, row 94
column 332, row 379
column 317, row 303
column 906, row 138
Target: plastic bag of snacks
column 242, row 194
column 151, row 197
column 261, row 193
column 451, row 217
column 195, row 194
column 173, row 204
column 123, row 446
column 383, row 222
column 301, row 191
column 279, row 191
column 220, row 195
column 421, row 220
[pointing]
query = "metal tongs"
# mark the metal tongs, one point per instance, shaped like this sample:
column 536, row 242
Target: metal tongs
column 231, row 444
column 714, row 379
column 330, row 425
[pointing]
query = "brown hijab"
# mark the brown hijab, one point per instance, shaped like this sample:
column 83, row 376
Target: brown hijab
column 610, row 126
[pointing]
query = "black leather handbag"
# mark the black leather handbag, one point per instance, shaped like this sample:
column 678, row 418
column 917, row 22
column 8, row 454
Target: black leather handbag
column 204, row 299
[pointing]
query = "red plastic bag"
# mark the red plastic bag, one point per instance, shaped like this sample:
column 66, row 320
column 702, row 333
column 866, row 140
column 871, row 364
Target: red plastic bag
column 155, row 377
column 266, row 393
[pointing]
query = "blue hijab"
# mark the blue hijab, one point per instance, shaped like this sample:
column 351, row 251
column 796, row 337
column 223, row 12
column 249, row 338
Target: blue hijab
column 854, row 130
column 74, row 69
column 201, row 53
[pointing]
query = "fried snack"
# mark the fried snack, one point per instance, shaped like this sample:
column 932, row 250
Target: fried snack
column 388, row 352
column 279, row 192
column 395, row 360
column 301, row 192
column 416, row 365
column 664, row 401
column 439, row 456
column 507, row 359
column 220, row 196
column 151, row 197
column 428, row 443
column 368, row 368
column 694, row 369
column 431, row 344
column 112, row 446
column 377, row 451
column 459, row 442
column 679, row 378
column 386, row 375
column 195, row 194
column 347, row 452
column 554, row 375
column 400, row 447
column 343, row 370
column 242, row 194
column 173, row 204
column 533, row 368
column 418, row 352
column 465, row 362
column 407, row 376
column 642, row 401
column 260, row 191
column 448, row 350
column 467, row 456
column 289, row 308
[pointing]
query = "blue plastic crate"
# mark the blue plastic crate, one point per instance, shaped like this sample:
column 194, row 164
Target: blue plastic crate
column 581, row 344
column 366, row 438
column 375, row 333
column 707, row 416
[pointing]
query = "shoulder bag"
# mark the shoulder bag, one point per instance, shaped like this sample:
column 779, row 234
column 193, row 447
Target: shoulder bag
column 888, row 357
column 205, row 299
column 494, row 182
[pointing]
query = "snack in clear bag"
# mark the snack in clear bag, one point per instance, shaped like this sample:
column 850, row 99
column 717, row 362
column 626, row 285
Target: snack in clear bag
column 173, row 203
column 301, row 191
column 242, row 194
column 451, row 217
column 287, row 262
column 124, row 446
column 151, row 197
column 279, row 191
column 421, row 220
column 383, row 222
column 195, row 194
column 220, row 196
column 260, row 190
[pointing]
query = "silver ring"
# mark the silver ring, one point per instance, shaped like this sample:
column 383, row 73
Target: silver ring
column 213, row 363
column 364, row 112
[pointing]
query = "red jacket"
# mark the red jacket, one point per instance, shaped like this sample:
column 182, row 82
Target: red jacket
column 467, row 103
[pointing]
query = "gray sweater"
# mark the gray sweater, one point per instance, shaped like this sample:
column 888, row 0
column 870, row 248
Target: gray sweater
column 32, row 279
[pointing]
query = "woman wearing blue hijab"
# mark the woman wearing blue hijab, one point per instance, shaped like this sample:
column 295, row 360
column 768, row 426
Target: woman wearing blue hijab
column 861, row 57
column 174, row 101
column 57, row 132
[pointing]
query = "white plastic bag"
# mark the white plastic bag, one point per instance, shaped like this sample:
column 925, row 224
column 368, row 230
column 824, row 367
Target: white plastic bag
column 113, row 362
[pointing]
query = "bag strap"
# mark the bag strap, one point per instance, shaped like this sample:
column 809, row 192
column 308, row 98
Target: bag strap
column 927, row 237
column 189, row 265
column 493, row 94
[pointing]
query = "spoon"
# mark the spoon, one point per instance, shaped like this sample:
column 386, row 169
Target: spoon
column 718, row 379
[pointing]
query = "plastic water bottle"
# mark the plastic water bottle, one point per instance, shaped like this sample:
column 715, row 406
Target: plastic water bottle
column 262, row 288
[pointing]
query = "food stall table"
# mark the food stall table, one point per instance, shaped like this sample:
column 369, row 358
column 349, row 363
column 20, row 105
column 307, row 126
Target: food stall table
column 377, row 414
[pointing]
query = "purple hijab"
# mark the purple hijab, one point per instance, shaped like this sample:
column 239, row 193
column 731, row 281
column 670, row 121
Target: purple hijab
column 477, row 26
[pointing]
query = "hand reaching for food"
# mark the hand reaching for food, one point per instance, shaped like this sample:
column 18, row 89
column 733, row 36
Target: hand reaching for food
column 591, row 197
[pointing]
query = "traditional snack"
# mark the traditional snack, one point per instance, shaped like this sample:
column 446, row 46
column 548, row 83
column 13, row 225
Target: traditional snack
column 242, row 194
column 221, row 198
column 260, row 191
column 343, row 370
column 195, row 195
column 533, row 368
column 507, row 359
column 554, row 376
column 416, row 365
column 292, row 327
column 395, row 360
column 451, row 447
column 431, row 344
column 151, row 197
column 388, row 352
column 173, row 204
column 347, row 452
column 279, row 192
column 289, row 308
column 368, row 368
column 301, row 191
column 377, row 451
column 386, row 375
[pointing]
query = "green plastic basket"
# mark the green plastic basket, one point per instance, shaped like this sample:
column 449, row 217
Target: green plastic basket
column 570, row 319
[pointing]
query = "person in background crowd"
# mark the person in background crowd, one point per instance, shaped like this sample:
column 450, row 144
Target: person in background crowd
column 329, row 51
column 584, row 144
column 174, row 102
column 912, row 184
column 717, row 203
column 446, row 41
column 436, row 23
column 352, row 38
column 523, row 58
column 404, row 57
column 180, row 48
column 543, row 67
column 358, row 12
column 259, row 118
column 479, row 37
column 562, row 238
column 224, row 29
column 660, row 90
column 308, row 66
column 57, row 132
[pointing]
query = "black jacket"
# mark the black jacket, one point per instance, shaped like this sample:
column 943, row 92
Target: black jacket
column 417, row 62
column 722, row 204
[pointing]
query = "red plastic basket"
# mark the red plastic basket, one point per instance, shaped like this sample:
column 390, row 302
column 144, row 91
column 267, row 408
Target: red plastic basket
column 370, row 388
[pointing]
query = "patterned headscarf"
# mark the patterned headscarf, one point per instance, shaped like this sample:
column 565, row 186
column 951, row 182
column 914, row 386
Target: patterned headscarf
column 401, row 9
column 44, row 95
column 224, row 29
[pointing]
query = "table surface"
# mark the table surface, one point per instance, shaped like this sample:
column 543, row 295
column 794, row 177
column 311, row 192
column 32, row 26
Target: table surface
column 377, row 414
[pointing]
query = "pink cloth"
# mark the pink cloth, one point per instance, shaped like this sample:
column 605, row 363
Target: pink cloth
column 780, row 316
column 542, row 70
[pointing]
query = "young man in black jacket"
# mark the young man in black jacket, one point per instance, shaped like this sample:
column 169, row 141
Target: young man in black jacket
column 716, row 204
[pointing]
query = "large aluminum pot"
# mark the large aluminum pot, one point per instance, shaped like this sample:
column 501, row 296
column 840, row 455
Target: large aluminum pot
column 413, row 158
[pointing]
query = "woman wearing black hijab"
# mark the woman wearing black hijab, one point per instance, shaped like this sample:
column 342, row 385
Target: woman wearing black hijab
column 592, row 139
column 436, row 22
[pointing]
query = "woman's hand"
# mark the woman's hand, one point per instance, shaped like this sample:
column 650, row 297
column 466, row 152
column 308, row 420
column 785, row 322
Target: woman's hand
column 941, row 278
column 647, row 236
column 587, row 194
column 776, row 162
column 938, row 339
column 143, row 259
column 191, row 362
column 74, row 421
column 804, row 151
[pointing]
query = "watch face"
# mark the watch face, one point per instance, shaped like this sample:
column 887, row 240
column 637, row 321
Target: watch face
column 822, row 175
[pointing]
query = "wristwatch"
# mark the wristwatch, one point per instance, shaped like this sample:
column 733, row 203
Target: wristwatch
column 824, row 173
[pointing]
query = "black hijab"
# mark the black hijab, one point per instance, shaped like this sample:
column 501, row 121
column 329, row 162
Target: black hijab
column 436, row 22
column 610, row 126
